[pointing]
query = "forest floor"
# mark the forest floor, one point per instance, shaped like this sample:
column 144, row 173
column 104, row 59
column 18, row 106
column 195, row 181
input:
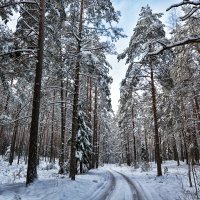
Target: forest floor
column 110, row 182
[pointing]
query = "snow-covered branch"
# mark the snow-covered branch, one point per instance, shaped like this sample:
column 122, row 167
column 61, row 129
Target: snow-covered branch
column 184, row 2
column 30, row 28
column 16, row 3
column 18, row 51
column 76, row 36
column 96, row 48
column 57, row 87
column 25, row 10
column 187, row 40
column 189, row 14
column 195, row 7
column 12, row 122
column 88, row 75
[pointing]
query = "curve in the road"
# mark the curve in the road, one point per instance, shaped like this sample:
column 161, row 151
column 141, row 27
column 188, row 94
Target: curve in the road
column 136, row 194
column 117, row 186
column 106, row 189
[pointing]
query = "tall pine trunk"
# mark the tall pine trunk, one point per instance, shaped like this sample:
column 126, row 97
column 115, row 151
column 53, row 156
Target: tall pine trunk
column 181, row 147
column 95, row 136
column 2, row 136
column 174, row 146
column 196, row 130
column 134, row 138
column 61, row 158
column 62, row 90
column 14, row 136
column 75, row 101
column 52, row 128
column 128, row 154
column 157, row 143
column 184, row 132
column 90, row 114
column 32, row 155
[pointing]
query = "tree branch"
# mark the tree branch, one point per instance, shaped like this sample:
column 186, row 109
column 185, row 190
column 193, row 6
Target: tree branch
column 12, row 122
column 184, row 2
column 189, row 14
column 19, row 50
column 16, row 3
column 29, row 14
column 96, row 48
column 164, row 47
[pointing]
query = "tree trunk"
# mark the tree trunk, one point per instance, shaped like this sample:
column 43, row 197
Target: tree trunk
column 98, row 144
column 128, row 149
column 176, row 157
column 32, row 156
column 15, row 131
column 194, row 132
column 95, row 136
column 134, row 139
column 157, row 143
column 62, row 92
column 181, row 146
column 146, row 145
column 90, row 114
column 75, row 101
column 21, row 144
column 61, row 159
column 41, row 135
column 186, row 147
column 81, row 166
column 2, row 136
column 196, row 108
column 184, row 133
column 66, row 135
column 12, row 148
column 52, row 129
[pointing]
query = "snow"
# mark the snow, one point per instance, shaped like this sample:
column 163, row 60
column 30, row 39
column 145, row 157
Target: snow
column 50, row 185
column 109, row 182
column 172, row 185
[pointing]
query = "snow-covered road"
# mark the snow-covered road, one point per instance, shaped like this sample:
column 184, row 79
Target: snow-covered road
column 110, row 182
column 117, row 187
column 124, row 189
column 105, row 184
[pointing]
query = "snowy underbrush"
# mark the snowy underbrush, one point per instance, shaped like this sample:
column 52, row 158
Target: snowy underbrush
column 173, row 185
column 50, row 185
column 177, row 177
column 12, row 173
column 16, row 173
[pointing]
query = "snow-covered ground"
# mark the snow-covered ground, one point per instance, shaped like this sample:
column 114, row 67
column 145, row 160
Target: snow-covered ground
column 173, row 185
column 109, row 182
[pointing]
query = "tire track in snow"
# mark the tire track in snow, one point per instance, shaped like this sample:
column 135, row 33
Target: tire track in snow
column 118, row 186
column 106, row 189
column 136, row 194
column 14, row 187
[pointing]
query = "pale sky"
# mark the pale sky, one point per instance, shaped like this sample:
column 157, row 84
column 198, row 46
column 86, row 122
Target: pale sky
column 130, row 10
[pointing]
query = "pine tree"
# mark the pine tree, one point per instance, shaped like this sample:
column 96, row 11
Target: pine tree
column 32, row 158
column 84, row 146
column 142, row 65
